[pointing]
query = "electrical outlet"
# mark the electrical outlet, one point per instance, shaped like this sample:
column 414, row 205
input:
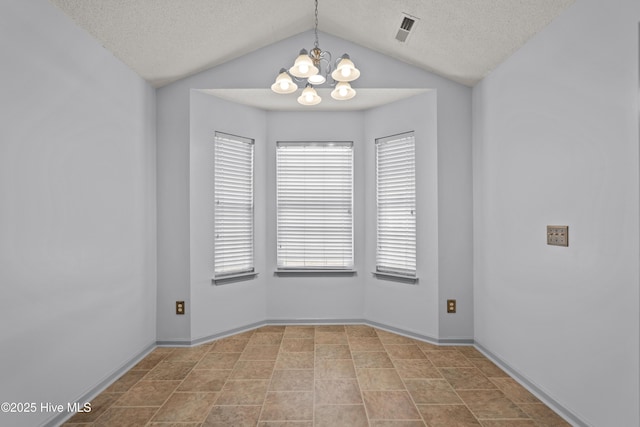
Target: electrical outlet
column 179, row 307
column 558, row 235
column 451, row 306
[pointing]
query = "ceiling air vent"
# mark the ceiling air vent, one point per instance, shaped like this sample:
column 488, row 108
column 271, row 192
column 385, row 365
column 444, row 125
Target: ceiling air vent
column 405, row 29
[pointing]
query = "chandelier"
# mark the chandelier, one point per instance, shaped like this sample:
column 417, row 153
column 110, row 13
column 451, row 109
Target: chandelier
column 314, row 69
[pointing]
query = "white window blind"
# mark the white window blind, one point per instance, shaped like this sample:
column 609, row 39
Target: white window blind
column 233, row 213
column 315, row 205
column 396, row 205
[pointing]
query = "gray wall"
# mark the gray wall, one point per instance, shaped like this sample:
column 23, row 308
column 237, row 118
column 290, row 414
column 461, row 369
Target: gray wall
column 411, row 307
column 556, row 142
column 218, row 309
column 320, row 297
column 77, row 211
column 295, row 298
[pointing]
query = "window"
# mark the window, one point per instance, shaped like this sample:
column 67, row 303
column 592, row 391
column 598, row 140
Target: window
column 396, row 205
column 315, row 205
column 233, row 213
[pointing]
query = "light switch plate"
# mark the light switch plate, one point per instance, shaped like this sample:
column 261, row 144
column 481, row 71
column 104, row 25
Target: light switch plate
column 558, row 235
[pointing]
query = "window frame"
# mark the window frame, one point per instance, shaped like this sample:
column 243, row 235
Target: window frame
column 234, row 159
column 306, row 265
column 398, row 204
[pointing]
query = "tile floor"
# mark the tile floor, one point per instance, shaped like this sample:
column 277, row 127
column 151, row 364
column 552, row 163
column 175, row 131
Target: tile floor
column 304, row 376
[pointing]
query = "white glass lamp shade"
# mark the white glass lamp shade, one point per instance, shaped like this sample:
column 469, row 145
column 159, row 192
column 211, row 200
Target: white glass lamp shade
column 345, row 71
column 316, row 79
column 303, row 66
column 343, row 91
column 283, row 83
column 309, row 97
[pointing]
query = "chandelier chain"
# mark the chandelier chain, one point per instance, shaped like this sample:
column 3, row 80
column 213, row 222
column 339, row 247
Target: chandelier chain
column 316, row 25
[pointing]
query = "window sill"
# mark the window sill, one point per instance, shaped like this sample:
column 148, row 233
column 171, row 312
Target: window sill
column 318, row 272
column 396, row 277
column 222, row 280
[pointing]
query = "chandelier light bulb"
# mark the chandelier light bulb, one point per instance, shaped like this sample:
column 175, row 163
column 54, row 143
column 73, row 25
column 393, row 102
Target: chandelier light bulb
column 345, row 70
column 283, row 83
column 309, row 96
column 303, row 66
column 343, row 91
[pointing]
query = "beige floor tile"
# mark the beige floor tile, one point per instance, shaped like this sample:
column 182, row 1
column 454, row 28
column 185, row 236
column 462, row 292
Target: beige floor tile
column 291, row 345
column 371, row 359
column 260, row 352
column 99, row 405
column 208, row 380
column 126, row 381
column 416, row 368
column 296, row 360
column 390, row 405
column 469, row 351
column 448, row 359
column 152, row 359
column 186, row 407
column 514, row 391
column 160, row 424
column 427, row 347
column 170, row 371
column 266, row 338
column 229, row 345
column 285, row 424
column 379, row 379
column 406, row 351
column 288, row 406
column 391, row 338
column 365, row 344
column 488, row 368
column 292, row 380
column 331, row 338
column 466, row 379
column 331, row 351
column 272, row 328
column 490, row 404
column 148, row 393
column 397, row 423
column 299, row 332
column 360, row 331
column 543, row 415
column 334, row 368
column 218, row 361
column 432, row 391
column 447, row 416
column 252, row 370
column 125, row 417
column 237, row 416
column 340, row 416
column 343, row 391
column 243, row 392
column 191, row 354
column 508, row 423
column 337, row 375
column 330, row 328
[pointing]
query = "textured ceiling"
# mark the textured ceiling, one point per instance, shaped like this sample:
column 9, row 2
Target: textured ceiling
column 166, row 40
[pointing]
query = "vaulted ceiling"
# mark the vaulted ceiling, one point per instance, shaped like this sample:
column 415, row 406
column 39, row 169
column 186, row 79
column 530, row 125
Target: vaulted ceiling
column 166, row 40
